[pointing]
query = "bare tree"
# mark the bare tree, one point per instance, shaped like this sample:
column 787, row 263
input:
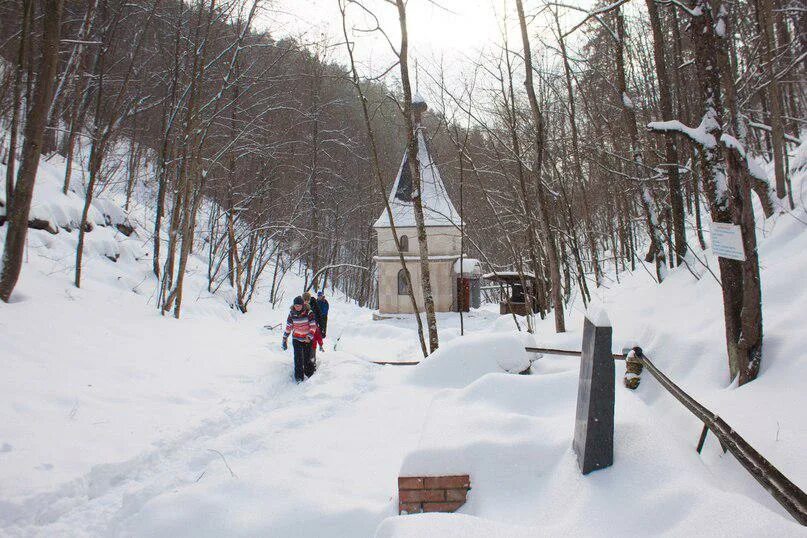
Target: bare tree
column 413, row 133
column 19, row 206
column 538, row 126
column 727, row 185
column 379, row 178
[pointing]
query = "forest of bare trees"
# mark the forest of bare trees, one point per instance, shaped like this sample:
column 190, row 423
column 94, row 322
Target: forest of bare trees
column 595, row 141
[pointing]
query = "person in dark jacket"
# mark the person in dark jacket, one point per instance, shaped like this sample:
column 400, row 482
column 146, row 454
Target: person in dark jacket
column 302, row 327
column 312, row 306
column 323, row 305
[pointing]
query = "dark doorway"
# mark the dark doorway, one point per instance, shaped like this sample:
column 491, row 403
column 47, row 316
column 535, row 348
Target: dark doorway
column 463, row 294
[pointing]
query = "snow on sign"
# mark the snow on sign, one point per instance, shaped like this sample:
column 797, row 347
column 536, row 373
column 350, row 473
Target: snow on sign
column 727, row 241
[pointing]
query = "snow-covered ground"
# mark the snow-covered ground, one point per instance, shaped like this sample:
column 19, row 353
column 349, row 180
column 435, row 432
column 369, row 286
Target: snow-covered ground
column 116, row 421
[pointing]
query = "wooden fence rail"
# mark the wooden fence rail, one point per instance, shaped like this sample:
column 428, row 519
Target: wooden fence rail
column 568, row 352
column 789, row 495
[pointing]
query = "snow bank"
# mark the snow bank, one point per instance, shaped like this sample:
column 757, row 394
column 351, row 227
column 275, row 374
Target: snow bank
column 63, row 211
column 494, row 419
column 598, row 316
column 463, row 360
column 513, row 436
column 448, row 526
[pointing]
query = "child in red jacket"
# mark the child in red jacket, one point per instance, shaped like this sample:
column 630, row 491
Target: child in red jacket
column 317, row 339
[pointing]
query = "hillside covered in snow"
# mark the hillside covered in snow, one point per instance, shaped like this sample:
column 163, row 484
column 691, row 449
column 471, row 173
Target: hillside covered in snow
column 217, row 217
column 117, row 421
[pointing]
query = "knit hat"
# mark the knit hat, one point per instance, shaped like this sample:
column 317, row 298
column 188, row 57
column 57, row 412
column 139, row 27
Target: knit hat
column 298, row 300
column 320, row 294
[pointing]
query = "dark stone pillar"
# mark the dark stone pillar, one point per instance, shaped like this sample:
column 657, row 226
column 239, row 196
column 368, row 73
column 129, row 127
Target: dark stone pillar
column 594, row 427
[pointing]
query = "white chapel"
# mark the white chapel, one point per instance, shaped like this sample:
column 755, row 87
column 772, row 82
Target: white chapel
column 451, row 287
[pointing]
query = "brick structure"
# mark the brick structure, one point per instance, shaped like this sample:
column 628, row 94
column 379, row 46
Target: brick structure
column 432, row 493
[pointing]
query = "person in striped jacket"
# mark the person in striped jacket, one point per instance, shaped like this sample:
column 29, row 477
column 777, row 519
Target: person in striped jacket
column 302, row 326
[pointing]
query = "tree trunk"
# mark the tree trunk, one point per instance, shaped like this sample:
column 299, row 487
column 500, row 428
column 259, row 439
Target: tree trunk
column 656, row 249
column 578, row 167
column 22, row 55
column 543, row 209
column 670, row 148
column 19, row 207
column 732, row 203
column 413, row 133
column 774, row 97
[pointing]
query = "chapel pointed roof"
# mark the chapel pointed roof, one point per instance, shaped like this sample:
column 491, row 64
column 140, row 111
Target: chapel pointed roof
column 437, row 207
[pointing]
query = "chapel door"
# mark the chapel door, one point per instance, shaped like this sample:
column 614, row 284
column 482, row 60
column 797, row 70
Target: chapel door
column 463, row 294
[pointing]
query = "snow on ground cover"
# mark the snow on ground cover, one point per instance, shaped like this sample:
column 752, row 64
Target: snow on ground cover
column 194, row 427
column 463, row 360
column 93, row 375
column 513, row 435
column 112, row 412
column 449, row 526
column 516, row 444
column 60, row 210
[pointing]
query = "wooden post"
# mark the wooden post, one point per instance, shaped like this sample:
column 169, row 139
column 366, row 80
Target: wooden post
column 633, row 368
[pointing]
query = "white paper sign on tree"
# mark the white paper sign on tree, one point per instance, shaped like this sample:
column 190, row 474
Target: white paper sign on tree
column 727, row 241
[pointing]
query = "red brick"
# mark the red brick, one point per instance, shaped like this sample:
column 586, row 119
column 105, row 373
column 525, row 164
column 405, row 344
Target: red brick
column 410, row 508
column 441, row 507
column 456, row 494
column 410, row 482
column 448, row 482
column 421, row 495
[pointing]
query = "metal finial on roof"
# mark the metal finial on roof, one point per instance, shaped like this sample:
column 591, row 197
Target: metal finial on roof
column 416, row 76
column 418, row 107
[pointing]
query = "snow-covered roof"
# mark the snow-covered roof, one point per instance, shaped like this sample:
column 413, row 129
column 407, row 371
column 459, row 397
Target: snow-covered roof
column 471, row 266
column 440, row 258
column 437, row 207
column 507, row 274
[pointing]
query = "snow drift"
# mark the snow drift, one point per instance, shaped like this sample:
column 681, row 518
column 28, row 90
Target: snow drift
column 463, row 360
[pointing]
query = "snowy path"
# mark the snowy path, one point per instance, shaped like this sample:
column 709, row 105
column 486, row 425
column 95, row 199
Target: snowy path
column 209, row 436
column 321, row 458
column 280, row 434
column 100, row 500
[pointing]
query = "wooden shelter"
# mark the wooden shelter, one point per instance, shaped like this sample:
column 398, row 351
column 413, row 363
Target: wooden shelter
column 518, row 289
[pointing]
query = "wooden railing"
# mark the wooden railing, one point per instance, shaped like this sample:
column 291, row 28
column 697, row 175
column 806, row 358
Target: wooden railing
column 568, row 352
column 789, row 495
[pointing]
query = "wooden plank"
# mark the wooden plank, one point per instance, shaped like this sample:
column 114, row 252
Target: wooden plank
column 702, row 438
column 546, row 350
column 566, row 352
column 789, row 495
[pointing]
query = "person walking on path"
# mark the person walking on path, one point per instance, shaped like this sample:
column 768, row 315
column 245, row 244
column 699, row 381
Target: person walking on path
column 316, row 342
column 311, row 304
column 302, row 327
column 323, row 305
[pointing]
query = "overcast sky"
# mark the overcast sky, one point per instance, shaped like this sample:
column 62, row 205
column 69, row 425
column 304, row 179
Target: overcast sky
column 454, row 30
column 453, row 33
